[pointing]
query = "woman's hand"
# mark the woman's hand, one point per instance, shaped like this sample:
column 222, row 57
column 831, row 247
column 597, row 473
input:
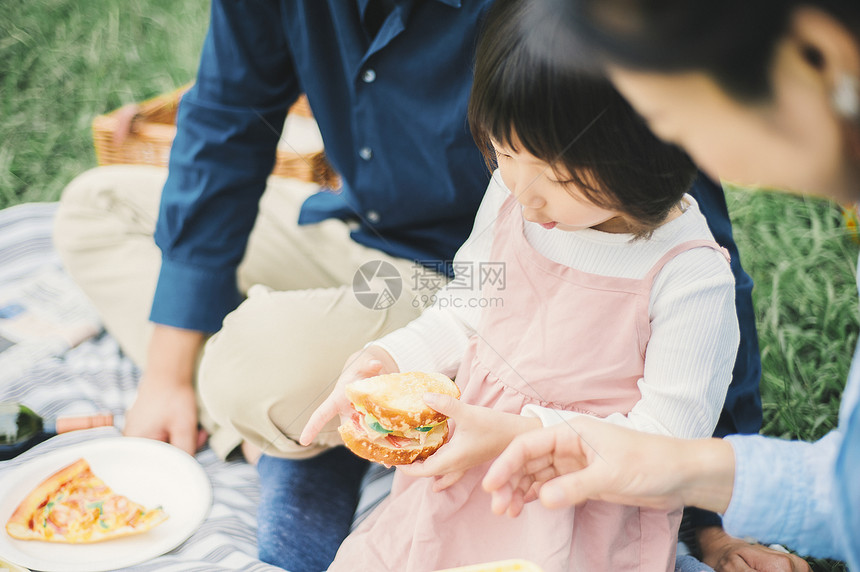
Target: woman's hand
column 478, row 435
column 368, row 362
column 586, row 458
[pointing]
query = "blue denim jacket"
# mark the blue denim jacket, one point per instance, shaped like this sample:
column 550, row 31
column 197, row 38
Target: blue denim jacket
column 803, row 495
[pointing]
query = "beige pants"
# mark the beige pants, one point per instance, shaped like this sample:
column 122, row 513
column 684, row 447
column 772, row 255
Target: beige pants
column 279, row 353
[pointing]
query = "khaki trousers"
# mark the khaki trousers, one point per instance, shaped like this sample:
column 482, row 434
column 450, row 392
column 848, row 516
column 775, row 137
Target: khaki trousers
column 280, row 352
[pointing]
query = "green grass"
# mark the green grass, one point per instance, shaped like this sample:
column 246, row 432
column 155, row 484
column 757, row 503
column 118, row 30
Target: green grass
column 62, row 62
column 803, row 261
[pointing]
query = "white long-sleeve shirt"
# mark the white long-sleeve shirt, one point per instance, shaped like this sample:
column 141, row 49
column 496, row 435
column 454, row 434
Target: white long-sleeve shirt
column 694, row 331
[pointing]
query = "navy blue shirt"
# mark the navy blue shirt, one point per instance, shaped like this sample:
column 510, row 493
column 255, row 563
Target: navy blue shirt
column 392, row 111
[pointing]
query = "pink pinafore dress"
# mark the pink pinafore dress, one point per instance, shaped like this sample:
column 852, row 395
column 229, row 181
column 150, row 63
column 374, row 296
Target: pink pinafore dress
column 564, row 339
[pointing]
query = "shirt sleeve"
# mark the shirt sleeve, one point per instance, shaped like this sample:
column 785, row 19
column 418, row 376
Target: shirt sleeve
column 228, row 126
column 437, row 340
column 691, row 351
column 784, row 492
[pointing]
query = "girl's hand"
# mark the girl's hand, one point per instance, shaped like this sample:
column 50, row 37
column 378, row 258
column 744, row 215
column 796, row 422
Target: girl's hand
column 367, row 362
column 477, row 435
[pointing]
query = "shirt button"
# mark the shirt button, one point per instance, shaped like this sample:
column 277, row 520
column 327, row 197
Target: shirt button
column 365, row 153
column 373, row 216
column 369, row 76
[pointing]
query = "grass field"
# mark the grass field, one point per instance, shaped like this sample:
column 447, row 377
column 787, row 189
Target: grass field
column 62, row 62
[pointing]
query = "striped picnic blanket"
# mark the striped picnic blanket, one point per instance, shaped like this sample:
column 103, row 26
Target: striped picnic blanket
column 94, row 376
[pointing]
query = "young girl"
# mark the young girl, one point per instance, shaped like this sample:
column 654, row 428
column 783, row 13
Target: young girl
column 590, row 285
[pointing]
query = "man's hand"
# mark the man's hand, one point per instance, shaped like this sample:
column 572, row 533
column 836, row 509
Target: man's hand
column 726, row 553
column 166, row 406
column 478, row 435
column 368, row 362
column 586, row 458
column 165, row 411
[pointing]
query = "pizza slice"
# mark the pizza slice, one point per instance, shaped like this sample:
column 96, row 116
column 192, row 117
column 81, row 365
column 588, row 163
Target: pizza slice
column 75, row 506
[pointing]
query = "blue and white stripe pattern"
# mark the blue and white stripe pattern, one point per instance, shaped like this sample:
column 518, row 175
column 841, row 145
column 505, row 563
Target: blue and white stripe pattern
column 96, row 377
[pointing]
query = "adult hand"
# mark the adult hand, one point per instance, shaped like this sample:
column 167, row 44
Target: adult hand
column 166, row 406
column 165, row 410
column 477, row 435
column 725, row 553
column 368, row 362
column 586, row 458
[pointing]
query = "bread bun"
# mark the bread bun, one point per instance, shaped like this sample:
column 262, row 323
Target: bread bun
column 391, row 423
column 378, row 452
column 397, row 399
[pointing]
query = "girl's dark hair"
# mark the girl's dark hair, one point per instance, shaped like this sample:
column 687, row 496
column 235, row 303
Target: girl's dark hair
column 732, row 40
column 573, row 120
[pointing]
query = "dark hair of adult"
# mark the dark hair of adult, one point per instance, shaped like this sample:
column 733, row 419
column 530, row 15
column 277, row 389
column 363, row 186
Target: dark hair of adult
column 572, row 120
column 734, row 41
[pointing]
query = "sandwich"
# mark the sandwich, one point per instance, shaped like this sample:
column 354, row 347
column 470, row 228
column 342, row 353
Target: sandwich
column 390, row 423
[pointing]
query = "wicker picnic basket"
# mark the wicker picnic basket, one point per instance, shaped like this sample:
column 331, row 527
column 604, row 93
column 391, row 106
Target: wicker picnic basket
column 141, row 134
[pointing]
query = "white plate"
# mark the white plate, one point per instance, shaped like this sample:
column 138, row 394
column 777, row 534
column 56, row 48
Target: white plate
column 148, row 472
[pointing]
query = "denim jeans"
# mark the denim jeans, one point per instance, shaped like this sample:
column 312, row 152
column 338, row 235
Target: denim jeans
column 306, row 508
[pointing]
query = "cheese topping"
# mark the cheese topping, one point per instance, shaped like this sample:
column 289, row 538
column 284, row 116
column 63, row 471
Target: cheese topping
column 81, row 505
column 376, row 432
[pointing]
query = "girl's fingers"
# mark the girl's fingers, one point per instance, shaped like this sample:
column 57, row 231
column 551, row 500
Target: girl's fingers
column 501, row 499
column 531, row 494
column 534, row 453
column 330, row 407
column 524, row 486
column 439, row 463
column 416, row 469
column 447, row 480
column 371, row 368
column 323, row 414
column 526, row 451
column 444, row 404
column 517, row 504
column 543, row 475
column 541, row 467
column 572, row 489
column 512, row 496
